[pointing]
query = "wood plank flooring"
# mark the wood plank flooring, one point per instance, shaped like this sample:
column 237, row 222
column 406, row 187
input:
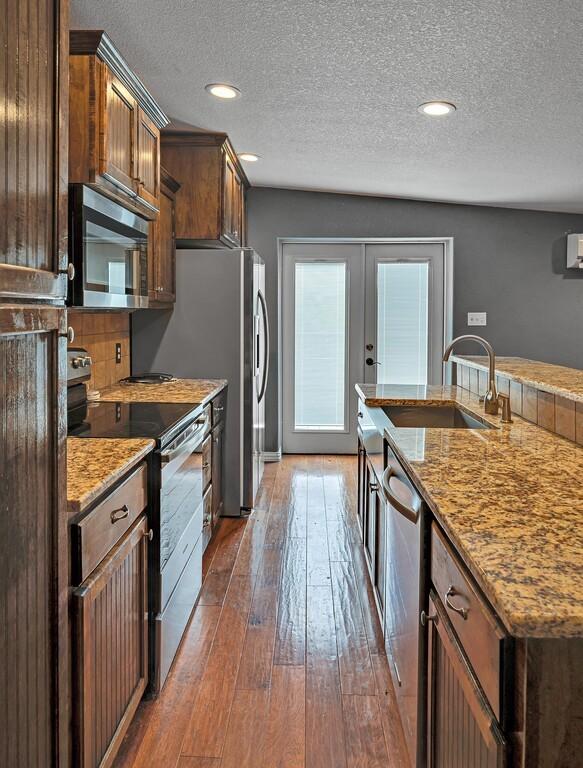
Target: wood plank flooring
column 283, row 664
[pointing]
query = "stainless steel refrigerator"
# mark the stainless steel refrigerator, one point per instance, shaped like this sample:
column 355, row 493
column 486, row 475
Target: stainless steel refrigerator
column 217, row 329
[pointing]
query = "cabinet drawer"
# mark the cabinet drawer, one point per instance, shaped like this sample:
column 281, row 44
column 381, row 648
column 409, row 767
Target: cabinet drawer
column 206, row 449
column 96, row 533
column 478, row 629
column 219, row 404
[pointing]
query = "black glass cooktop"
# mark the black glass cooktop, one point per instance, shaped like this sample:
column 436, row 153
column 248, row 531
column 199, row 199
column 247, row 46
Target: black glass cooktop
column 158, row 421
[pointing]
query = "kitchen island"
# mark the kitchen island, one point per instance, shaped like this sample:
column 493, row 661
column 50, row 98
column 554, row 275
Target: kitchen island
column 501, row 577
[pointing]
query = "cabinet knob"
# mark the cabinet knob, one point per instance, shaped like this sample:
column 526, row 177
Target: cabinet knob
column 425, row 618
column 70, row 335
column 373, row 486
column 149, row 534
column 70, row 271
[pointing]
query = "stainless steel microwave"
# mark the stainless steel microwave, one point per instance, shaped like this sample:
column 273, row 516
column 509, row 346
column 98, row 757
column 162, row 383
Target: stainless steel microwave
column 108, row 246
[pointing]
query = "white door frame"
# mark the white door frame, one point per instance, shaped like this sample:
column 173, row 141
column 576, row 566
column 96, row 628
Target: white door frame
column 448, row 251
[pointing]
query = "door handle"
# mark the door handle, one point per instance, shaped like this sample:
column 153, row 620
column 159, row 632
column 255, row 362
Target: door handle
column 370, row 361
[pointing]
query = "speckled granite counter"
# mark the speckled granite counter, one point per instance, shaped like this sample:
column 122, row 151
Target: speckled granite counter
column 556, row 379
column 177, row 391
column 94, row 464
column 511, row 500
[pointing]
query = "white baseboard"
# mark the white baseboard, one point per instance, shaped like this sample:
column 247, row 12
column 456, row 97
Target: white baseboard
column 271, row 455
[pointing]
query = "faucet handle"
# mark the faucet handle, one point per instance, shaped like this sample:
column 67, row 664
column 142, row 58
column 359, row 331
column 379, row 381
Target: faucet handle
column 504, row 401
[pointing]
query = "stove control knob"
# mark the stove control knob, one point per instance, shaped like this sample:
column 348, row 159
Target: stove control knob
column 86, row 361
column 78, row 362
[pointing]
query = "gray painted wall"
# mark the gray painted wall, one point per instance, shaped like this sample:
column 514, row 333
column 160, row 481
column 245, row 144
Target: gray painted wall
column 509, row 263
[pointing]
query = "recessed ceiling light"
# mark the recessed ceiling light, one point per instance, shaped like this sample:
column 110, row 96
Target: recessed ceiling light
column 249, row 157
column 223, row 90
column 437, row 108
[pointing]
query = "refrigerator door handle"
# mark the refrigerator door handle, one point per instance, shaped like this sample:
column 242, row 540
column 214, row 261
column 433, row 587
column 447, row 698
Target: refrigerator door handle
column 266, row 347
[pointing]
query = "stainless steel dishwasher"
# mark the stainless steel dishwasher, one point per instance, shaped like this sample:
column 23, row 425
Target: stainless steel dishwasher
column 406, row 567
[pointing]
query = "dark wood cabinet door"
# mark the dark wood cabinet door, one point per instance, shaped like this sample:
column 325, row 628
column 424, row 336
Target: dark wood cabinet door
column 119, row 131
column 111, row 648
column 228, row 212
column 148, row 161
column 462, row 727
column 34, row 697
column 217, row 459
column 361, row 486
column 166, row 260
column 370, row 515
column 380, row 554
column 33, row 139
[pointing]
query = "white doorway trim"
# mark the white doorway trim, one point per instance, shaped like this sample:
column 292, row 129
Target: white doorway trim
column 448, row 250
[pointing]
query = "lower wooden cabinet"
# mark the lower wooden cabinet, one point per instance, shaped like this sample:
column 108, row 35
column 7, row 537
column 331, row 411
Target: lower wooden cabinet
column 462, row 728
column 34, row 647
column 218, row 438
column 111, row 648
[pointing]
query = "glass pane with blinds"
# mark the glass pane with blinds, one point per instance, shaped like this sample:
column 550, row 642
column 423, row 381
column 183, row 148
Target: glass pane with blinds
column 320, row 345
column 402, row 322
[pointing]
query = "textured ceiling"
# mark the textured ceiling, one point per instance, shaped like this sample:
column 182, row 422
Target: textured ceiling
column 331, row 88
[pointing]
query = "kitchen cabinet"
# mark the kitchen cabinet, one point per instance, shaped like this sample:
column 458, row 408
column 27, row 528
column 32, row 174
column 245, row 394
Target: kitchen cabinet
column 210, row 210
column 114, row 125
column 462, row 728
column 111, row 648
column 34, row 92
column 213, row 467
column 218, row 453
column 162, row 246
column 34, row 660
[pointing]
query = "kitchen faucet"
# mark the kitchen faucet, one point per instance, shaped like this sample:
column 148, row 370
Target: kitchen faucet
column 491, row 399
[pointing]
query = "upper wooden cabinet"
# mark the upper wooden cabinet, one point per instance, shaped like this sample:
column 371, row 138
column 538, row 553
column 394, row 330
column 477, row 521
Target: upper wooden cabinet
column 114, row 125
column 162, row 244
column 33, row 134
column 210, row 210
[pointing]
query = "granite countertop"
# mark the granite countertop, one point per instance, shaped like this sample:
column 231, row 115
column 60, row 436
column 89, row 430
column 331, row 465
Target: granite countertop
column 556, row 379
column 511, row 500
column 176, row 391
column 95, row 464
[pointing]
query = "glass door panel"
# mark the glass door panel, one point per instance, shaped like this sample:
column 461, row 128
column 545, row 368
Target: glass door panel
column 402, row 322
column 320, row 346
column 322, row 342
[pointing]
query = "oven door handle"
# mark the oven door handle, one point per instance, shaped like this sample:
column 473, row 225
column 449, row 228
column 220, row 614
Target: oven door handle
column 187, row 443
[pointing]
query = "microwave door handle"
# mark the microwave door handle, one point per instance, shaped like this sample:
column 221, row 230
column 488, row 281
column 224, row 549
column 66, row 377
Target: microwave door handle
column 266, row 345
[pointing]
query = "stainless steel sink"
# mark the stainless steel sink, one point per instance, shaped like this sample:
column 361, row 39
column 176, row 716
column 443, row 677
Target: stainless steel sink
column 434, row 416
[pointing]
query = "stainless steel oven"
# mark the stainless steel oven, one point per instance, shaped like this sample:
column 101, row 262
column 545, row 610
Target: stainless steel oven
column 181, row 512
column 108, row 246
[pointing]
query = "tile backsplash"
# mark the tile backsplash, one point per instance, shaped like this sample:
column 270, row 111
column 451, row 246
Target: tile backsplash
column 98, row 333
column 553, row 412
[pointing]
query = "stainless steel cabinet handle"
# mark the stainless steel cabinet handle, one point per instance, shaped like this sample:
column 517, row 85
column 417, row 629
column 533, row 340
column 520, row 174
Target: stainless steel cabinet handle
column 120, row 514
column 425, row 618
column 219, row 408
column 452, row 592
column 206, row 465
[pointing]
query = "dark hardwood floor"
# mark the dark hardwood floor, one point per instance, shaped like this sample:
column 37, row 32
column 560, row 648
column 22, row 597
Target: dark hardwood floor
column 283, row 664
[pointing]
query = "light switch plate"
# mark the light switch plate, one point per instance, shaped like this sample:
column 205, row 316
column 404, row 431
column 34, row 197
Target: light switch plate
column 118, row 353
column 477, row 318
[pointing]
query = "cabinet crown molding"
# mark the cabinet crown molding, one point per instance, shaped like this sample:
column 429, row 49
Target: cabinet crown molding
column 96, row 42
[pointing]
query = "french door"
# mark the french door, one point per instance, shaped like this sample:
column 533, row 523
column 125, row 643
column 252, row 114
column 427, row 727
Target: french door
column 356, row 311
column 323, row 335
